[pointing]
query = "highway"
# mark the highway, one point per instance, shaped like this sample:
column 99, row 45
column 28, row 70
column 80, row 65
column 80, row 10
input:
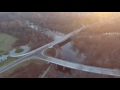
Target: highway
column 38, row 54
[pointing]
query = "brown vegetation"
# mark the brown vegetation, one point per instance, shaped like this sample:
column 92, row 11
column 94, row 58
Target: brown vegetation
column 103, row 51
column 33, row 70
column 53, row 73
column 24, row 34
column 50, row 52
column 62, row 22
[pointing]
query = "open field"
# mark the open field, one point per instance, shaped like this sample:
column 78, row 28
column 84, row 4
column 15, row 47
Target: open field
column 9, row 60
column 6, row 41
column 21, row 65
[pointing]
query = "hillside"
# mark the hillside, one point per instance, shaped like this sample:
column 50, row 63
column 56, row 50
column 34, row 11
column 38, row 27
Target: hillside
column 101, row 48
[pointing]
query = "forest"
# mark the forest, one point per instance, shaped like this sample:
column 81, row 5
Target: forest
column 102, row 50
column 15, row 26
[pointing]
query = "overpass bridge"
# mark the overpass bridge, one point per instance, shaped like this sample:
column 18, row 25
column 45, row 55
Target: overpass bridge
column 66, row 36
column 82, row 67
column 39, row 54
column 51, row 45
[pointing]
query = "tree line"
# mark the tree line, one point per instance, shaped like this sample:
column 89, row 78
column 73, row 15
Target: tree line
column 24, row 34
column 103, row 51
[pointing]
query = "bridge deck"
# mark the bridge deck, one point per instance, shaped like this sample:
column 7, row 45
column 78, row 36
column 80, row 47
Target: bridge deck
column 62, row 62
column 82, row 67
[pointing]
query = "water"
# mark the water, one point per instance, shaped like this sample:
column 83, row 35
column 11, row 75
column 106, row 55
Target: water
column 68, row 51
column 50, row 33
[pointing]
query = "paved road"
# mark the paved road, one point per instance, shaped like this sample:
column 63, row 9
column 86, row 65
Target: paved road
column 81, row 67
column 38, row 51
column 25, row 48
column 38, row 54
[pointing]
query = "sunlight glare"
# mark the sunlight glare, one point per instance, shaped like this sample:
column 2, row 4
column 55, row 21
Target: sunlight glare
column 104, row 15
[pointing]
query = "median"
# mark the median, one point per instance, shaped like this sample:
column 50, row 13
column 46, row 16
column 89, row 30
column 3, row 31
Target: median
column 19, row 50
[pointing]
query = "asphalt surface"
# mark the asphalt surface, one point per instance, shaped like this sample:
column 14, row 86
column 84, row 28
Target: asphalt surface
column 38, row 54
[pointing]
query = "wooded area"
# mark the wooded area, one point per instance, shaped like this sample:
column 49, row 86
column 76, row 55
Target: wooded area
column 101, row 50
column 25, row 35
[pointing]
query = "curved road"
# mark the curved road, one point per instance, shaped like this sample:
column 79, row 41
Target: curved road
column 38, row 54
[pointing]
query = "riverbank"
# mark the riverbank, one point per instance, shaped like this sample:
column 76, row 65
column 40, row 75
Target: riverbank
column 101, row 50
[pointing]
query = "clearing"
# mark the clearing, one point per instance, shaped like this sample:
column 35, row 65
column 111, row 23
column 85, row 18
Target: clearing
column 6, row 41
column 32, row 68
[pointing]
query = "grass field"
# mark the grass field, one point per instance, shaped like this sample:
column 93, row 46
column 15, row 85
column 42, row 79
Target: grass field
column 6, row 41
column 9, row 60
column 21, row 65
column 1, row 52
